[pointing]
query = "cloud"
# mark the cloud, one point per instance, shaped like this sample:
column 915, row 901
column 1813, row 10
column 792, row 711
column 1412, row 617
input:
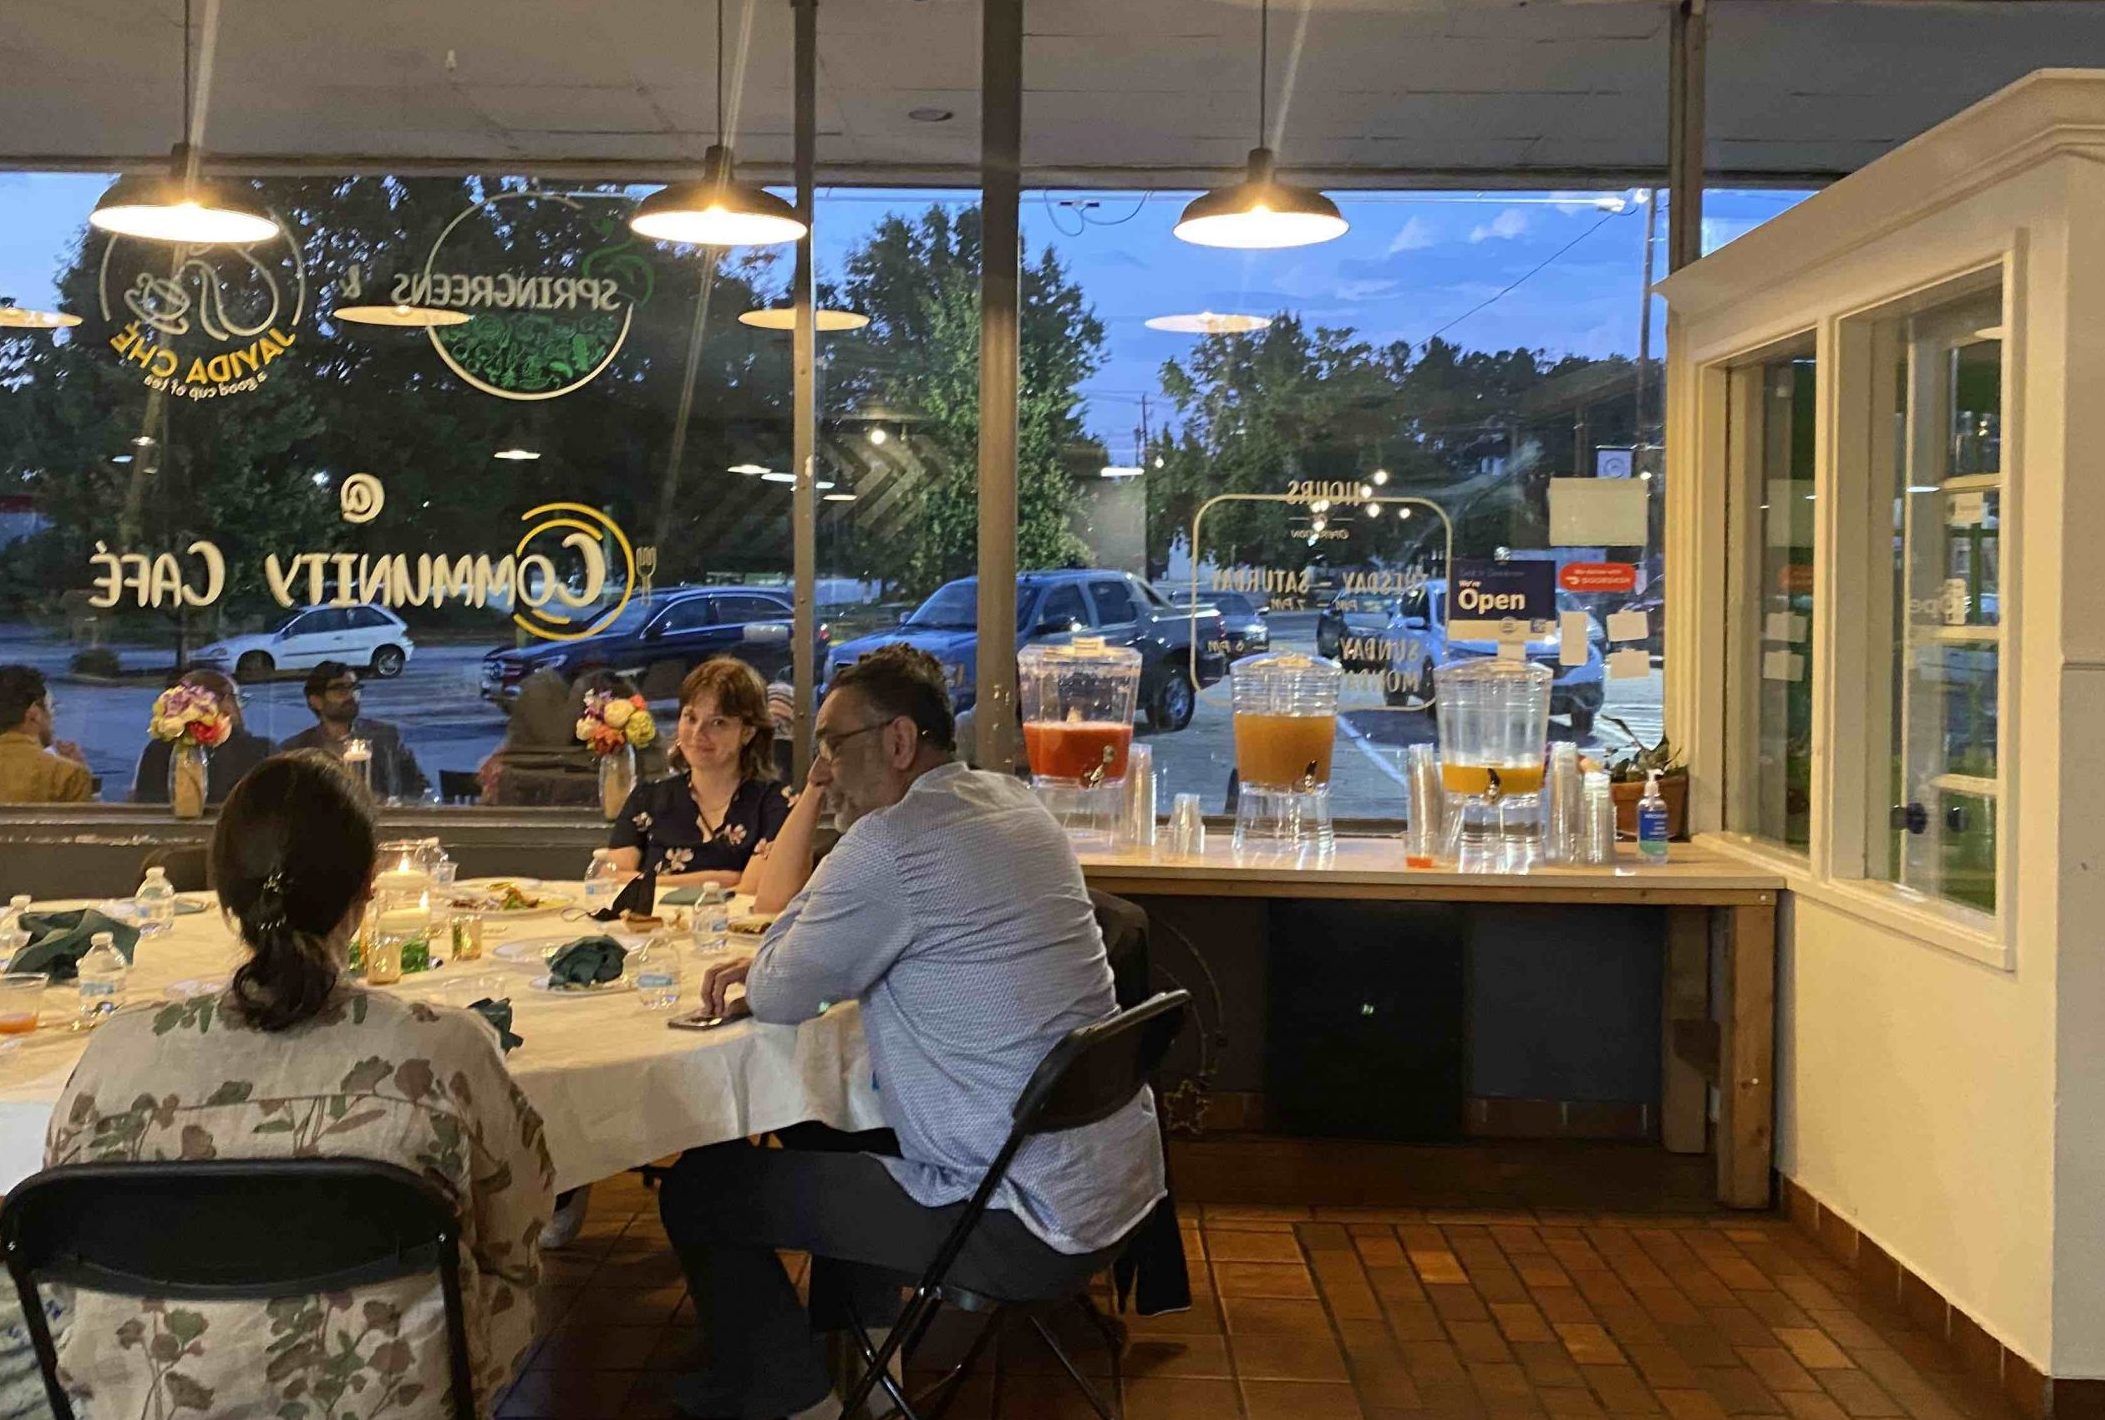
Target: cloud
column 1417, row 235
column 1367, row 289
column 1508, row 224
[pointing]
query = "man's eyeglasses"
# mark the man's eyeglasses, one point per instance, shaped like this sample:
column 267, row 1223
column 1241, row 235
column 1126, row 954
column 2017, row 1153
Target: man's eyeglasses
column 830, row 744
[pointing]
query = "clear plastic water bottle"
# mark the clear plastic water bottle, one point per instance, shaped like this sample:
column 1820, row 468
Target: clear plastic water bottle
column 604, row 880
column 13, row 935
column 102, row 972
column 155, row 903
column 656, row 969
column 712, row 918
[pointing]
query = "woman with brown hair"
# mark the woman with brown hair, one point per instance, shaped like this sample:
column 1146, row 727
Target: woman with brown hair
column 291, row 1060
column 713, row 819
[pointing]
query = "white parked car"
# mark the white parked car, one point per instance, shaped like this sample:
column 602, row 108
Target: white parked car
column 367, row 638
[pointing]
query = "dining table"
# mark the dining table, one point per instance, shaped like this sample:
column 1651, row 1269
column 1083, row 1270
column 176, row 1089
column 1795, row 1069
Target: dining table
column 615, row 1086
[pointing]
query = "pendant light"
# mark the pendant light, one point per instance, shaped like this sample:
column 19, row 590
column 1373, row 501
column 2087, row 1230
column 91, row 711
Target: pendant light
column 1261, row 211
column 181, row 205
column 717, row 211
column 401, row 316
column 785, row 318
column 14, row 317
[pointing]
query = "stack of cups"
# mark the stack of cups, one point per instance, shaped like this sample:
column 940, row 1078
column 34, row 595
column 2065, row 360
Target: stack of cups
column 1138, row 828
column 1562, row 811
column 1424, row 836
column 1187, row 827
column 1597, row 820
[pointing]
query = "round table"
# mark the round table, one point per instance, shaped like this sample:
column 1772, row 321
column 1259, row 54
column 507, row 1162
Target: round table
column 614, row 1085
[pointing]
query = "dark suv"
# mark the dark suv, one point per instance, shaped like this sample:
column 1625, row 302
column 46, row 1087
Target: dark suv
column 1053, row 606
column 659, row 638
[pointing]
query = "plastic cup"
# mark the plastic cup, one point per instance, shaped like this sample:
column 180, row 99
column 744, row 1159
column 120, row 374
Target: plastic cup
column 21, row 998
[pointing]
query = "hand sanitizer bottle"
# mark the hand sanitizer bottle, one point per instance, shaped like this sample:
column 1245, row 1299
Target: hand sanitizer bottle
column 1651, row 822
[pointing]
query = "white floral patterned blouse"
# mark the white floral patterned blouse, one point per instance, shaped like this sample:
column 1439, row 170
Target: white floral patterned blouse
column 372, row 1077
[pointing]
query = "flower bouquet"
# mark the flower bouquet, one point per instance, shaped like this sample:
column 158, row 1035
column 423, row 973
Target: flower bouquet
column 190, row 719
column 614, row 727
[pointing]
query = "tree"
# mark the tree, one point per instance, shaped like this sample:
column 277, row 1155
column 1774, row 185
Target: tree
column 918, row 281
column 1477, row 432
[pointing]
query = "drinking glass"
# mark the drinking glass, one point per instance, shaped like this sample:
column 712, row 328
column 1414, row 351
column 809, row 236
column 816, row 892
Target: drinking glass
column 21, row 997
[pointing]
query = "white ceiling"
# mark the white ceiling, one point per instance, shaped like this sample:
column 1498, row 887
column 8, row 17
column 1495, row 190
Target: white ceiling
column 1364, row 92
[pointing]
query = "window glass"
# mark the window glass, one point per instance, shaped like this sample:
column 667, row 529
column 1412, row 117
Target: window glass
column 1063, row 606
column 1114, row 603
column 1939, row 735
column 688, row 615
column 229, row 398
column 733, row 610
column 1771, row 502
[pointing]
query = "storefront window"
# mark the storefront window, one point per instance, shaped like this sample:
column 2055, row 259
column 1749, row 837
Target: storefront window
column 1772, row 499
column 1298, row 441
column 1944, row 405
column 222, row 467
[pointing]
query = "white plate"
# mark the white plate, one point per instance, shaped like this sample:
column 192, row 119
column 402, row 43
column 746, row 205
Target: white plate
column 126, row 910
column 523, row 884
column 604, row 988
column 194, row 986
column 534, row 951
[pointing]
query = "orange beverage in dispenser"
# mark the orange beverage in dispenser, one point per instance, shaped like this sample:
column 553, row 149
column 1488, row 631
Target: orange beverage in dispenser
column 1276, row 750
column 1074, row 749
column 1474, row 780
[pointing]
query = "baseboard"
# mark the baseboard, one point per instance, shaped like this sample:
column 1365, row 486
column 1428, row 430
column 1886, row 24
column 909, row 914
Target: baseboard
column 1489, row 1118
column 1983, row 1358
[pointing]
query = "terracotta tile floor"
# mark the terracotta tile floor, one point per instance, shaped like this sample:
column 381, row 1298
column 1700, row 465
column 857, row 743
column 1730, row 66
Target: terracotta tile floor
column 1381, row 1313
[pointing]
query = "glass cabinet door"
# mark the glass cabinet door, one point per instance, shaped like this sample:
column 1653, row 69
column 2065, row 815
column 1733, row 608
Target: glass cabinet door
column 1772, row 497
column 1946, row 672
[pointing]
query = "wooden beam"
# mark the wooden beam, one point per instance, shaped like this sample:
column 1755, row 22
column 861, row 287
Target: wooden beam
column 1684, row 1090
column 1747, row 1089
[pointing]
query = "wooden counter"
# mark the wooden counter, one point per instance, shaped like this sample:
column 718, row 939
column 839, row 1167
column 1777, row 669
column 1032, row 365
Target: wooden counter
column 1710, row 900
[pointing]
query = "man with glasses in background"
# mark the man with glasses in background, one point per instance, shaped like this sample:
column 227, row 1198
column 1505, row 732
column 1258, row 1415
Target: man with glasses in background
column 35, row 768
column 332, row 694
column 954, row 911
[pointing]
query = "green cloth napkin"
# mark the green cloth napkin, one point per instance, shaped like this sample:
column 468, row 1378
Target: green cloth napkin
column 499, row 1014
column 681, row 897
column 58, row 940
column 587, row 961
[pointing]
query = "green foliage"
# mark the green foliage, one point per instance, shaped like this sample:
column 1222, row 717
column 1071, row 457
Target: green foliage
column 919, row 283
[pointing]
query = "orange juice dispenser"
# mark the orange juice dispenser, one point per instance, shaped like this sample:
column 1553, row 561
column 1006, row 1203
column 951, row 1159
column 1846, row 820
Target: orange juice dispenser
column 1077, row 701
column 1494, row 736
column 1286, row 725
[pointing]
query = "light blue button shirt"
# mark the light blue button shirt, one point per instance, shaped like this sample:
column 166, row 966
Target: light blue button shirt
column 959, row 919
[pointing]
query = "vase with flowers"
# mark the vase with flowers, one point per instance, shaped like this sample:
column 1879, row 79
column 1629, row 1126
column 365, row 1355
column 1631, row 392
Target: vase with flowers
column 190, row 719
column 614, row 727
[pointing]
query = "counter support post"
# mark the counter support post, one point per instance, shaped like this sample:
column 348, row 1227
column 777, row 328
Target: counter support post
column 1684, row 1090
column 1746, row 1058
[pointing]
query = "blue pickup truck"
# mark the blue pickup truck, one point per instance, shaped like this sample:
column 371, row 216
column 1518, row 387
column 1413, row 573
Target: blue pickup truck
column 1054, row 606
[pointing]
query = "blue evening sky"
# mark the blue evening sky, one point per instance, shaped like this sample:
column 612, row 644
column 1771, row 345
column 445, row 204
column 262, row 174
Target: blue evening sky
column 1414, row 264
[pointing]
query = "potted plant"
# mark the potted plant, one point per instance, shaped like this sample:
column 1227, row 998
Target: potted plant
column 1627, row 770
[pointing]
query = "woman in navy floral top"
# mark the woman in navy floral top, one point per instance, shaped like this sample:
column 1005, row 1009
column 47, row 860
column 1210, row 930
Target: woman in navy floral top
column 714, row 818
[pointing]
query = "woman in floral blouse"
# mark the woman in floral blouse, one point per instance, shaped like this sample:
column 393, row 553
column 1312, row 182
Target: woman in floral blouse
column 714, row 820
column 290, row 1061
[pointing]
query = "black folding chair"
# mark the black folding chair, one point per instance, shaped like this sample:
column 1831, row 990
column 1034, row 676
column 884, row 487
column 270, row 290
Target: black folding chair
column 1090, row 1075
column 230, row 1230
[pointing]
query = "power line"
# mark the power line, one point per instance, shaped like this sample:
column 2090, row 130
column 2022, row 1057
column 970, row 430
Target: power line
column 1535, row 270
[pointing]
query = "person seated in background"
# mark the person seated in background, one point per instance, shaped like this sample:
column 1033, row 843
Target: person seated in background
column 288, row 1061
column 713, row 820
column 954, row 911
column 226, row 762
column 35, row 768
column 540, row 761
column 332, row 694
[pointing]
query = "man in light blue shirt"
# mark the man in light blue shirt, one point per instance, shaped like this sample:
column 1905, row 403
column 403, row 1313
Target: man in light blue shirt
column 954, row 911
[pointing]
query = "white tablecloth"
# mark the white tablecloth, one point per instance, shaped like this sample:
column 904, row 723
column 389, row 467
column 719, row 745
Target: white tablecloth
column 615, row 1086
